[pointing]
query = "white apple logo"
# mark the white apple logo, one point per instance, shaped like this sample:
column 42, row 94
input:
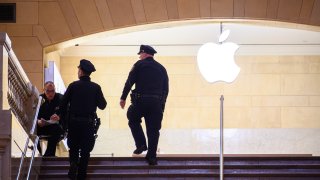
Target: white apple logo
column 216, row 61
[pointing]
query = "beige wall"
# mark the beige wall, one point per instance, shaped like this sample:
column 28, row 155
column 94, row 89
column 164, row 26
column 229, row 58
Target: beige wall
column 52, row 56
column 270, row 92
column 266, row 94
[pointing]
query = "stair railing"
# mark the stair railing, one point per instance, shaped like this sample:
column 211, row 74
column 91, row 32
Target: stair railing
column 23, row 98
column 24, row 101
column 35, row 139
column 32, row 133
column 22, row 95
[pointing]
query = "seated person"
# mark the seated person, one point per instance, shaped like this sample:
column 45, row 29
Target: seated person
column 48, row 119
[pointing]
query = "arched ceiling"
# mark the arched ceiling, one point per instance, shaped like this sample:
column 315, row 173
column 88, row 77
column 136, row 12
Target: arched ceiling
column 44, row 26
column 62, row 20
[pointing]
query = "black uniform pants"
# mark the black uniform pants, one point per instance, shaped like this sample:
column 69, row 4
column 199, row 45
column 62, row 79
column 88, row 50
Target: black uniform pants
column 81, row 142
column 54, row 133
column 151, row 110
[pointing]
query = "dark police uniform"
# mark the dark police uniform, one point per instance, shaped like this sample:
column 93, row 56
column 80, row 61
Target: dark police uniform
column 53, row 131
column 83, row 97
column 148, row 101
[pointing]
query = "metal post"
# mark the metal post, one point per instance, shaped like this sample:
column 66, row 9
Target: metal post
column 32, row 157
column 23, row 155
column 221, row 137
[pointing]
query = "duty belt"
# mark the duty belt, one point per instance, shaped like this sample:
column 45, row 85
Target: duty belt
column 150, row 96
column 136, row 96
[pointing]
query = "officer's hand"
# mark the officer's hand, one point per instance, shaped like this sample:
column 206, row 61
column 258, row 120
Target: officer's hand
column 122, row 103
column 41, row 122
column 55, row 117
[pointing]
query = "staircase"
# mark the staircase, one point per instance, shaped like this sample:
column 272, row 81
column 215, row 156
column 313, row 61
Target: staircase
column 189, row 168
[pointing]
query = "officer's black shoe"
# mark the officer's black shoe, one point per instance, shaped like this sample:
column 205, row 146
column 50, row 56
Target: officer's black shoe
column 140, row 149
column 72, row 174
column 152, row 161
column 81, row 177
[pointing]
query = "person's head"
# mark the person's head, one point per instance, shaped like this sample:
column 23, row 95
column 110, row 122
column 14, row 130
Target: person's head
column 146, row 51
column 49, row 90
column 85, row 68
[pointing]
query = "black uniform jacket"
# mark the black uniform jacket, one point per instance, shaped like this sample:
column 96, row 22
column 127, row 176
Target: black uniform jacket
column 149, row 77
column 83, row 98
column 48, row 108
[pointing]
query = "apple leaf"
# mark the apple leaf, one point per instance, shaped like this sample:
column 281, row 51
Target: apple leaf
column 224, row 35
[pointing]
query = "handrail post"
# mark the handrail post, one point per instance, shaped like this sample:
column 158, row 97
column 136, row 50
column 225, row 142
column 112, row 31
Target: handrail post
column 32, row 157
column 221, row 137
column 35, row 120
column 23, row 155
column 32, row 131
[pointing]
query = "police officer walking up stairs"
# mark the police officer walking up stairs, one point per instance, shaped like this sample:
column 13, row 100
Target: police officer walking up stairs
column 82, row 98
column 147, row 100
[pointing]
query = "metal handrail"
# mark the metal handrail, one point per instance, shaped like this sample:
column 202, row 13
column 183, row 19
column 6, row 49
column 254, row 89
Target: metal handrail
column 32, row 131
column 32, row 157
column 22, row 158
column 27, row 142
column 34, row 125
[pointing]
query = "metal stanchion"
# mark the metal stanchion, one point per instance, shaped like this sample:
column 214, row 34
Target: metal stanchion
column 221, row 137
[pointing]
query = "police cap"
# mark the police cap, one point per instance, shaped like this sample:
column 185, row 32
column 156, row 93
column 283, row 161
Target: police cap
column 147, row 49
column 87, row 66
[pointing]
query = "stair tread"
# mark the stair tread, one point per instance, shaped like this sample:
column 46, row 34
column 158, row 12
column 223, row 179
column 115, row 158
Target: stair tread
column 188, row 158
column 137, row 161
column 185, row 167
column 196, row 171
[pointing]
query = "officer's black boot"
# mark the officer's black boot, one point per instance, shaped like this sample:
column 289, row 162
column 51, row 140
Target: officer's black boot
column 82, row 170
column 72, row 174
column 151, row 161
column 140, row 149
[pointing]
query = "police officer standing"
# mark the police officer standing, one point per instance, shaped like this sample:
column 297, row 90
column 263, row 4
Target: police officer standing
column 147, row 100
column 82, row 97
